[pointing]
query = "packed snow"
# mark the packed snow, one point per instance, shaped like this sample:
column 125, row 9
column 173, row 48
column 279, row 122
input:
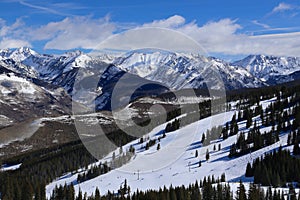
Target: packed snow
column 177, row 162
column 10, row 167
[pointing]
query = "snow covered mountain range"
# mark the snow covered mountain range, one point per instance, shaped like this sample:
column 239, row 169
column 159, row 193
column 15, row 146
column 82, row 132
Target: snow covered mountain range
column 271, row 69
column 171, row 70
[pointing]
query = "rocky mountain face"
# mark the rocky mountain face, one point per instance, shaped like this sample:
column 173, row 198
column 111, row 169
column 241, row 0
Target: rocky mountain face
column 270, row 69
column 27, row 77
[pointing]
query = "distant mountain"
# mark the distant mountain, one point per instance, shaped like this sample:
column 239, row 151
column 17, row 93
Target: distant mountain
column 179, row 71
column 22, row 98
column 270, row 69
column 160, row 69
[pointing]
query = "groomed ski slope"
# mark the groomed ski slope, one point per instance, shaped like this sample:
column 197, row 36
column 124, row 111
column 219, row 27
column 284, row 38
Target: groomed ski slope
column 175, row 163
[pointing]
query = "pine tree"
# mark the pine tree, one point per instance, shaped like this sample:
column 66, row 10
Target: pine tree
column 97, row 194
column 158, row 147
column 241, row 192
column 79, row 197
column 253, row 193
column 225, row 131
column 207, row 155
column 232, row 151
column 235, row 129
column 223, row 177
column 203, row 138
column 249, row 119
column 27, row 191
column 289, row 139
column 196, row 154
column 249, row 170
column 292, row 192
column 296, row 149
column 207, row 190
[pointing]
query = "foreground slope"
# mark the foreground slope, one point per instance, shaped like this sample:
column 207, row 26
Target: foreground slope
column 175, row 162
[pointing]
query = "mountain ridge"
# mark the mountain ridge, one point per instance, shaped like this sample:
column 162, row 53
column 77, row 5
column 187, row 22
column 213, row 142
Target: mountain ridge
column 171, row 70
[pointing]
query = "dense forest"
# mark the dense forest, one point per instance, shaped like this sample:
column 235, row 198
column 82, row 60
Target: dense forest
column 207, row 189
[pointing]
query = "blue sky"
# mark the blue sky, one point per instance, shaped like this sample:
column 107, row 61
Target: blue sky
column 223, row 28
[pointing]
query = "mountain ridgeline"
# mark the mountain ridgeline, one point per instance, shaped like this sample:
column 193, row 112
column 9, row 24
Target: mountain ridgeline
column 172, row 70
column 53, row 79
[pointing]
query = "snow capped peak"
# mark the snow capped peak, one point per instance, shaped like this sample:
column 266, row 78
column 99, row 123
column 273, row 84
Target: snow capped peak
column 22, row 54
column 180, row 70
column 144, row 61
column 81, row 60
column 4, row 52
column 107, row 58
column 74, row 53
column 175, row 70
column 150, row 51
column 270, row 68
column 26, row 50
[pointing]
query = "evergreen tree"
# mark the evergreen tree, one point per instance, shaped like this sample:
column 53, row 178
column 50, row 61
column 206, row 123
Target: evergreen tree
column 97, row 194
column 254, row 193
column 79, row 197
column 232, row 151
column 249, row 170
column 292, row 192
column 296, row 149
column 241, row 192
column 223, row 177
column 289, row 139
column 207, row 155
column 203, row 138
column 158, row 147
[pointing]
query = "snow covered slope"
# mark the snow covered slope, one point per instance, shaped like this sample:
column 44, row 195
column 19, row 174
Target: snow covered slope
column 175, row 162
column 21, row 98
column 272, row 69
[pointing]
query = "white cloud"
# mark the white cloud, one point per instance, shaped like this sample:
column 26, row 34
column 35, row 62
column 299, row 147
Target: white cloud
column 265, row 26
column 6, row 43
column 12, row 36
column 153, row 38
column 283, row 7
column 171, row 22
column 74, row 32
column 61, row 9
column 42, row 8
column 221, row 36
column 225, row 36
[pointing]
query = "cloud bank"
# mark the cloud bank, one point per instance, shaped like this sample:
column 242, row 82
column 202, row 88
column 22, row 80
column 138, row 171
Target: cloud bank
column 225, row 36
